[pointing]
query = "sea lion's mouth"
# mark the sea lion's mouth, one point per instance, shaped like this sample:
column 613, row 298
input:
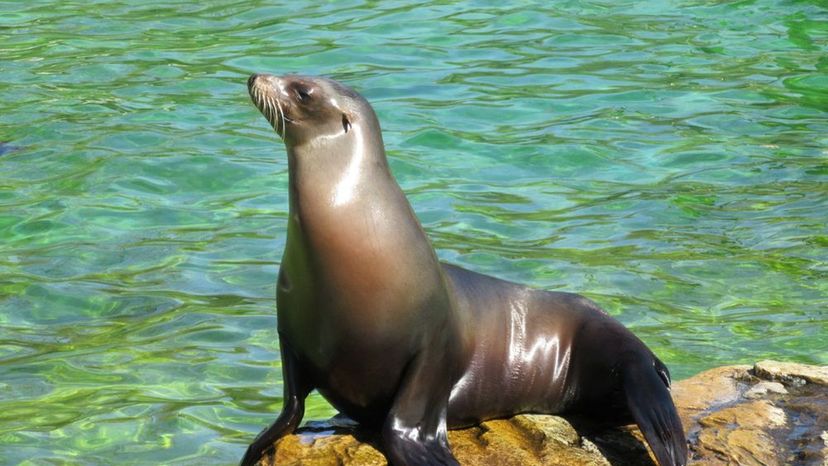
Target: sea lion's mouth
column 266, row 98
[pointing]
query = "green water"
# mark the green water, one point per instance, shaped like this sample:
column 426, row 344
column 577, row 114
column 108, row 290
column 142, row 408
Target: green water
column 667, row 159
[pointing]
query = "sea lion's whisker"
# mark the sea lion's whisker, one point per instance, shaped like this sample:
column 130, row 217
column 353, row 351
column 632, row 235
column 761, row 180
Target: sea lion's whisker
column 264, row 108
column 270, row 110
column 281, row 114
column 257, row 99
column 271, row 104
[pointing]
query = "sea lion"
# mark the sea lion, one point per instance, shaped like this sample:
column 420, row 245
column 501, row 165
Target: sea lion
column 396, row 340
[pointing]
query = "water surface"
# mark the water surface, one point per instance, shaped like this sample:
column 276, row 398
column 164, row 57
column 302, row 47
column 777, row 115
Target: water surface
column 667, row 159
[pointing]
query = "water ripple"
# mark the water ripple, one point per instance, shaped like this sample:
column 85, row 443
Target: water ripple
column 668, row 159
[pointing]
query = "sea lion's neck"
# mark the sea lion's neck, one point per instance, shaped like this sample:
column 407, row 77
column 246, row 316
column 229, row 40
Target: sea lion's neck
column 346, row 180
column 351, row 223
column 327, row 173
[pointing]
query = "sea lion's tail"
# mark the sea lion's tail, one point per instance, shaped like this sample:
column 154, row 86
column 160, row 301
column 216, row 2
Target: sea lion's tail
column 646, row 387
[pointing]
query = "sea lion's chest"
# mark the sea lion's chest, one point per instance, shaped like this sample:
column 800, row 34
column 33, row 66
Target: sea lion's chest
column 345, row 309
column 353, row 355
column 359, row 286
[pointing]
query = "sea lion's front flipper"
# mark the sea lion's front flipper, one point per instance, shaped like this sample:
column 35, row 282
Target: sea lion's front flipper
column 414, row 433
column 648, row 398
column 296, row 389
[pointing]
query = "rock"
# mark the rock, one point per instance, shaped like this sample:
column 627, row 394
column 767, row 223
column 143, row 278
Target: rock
column 740, row 434
column 792, row 373
column 770, row 414
column 763, row 388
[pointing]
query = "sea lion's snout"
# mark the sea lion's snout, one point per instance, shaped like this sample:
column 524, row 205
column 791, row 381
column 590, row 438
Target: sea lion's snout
column 251, row 81
column 264, row 90
column 262, row 79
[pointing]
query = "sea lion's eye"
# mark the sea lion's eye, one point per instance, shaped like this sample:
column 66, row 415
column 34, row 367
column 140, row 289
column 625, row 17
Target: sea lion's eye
column 346, row 123
column 303, row 94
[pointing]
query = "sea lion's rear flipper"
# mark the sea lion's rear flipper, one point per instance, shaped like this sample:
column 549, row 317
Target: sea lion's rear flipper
column 297, row 388
column 414, row 433
column 646, row 387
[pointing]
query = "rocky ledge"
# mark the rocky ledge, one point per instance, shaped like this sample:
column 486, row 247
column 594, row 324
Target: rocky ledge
column 773, row 413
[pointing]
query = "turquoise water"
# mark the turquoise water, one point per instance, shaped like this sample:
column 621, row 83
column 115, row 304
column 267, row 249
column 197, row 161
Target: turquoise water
column 667, row 159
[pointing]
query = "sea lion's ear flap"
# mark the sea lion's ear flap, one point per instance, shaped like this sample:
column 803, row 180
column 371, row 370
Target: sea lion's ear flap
column 346, row 123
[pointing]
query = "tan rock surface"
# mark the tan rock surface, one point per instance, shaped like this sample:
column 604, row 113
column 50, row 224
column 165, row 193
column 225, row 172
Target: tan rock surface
column 770, row 414
column 790, row 372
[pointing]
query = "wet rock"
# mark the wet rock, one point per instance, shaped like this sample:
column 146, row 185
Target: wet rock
column 763, row 388
column 770, row 414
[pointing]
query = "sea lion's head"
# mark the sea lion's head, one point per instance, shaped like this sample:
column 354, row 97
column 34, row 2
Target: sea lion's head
column 304, row 108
